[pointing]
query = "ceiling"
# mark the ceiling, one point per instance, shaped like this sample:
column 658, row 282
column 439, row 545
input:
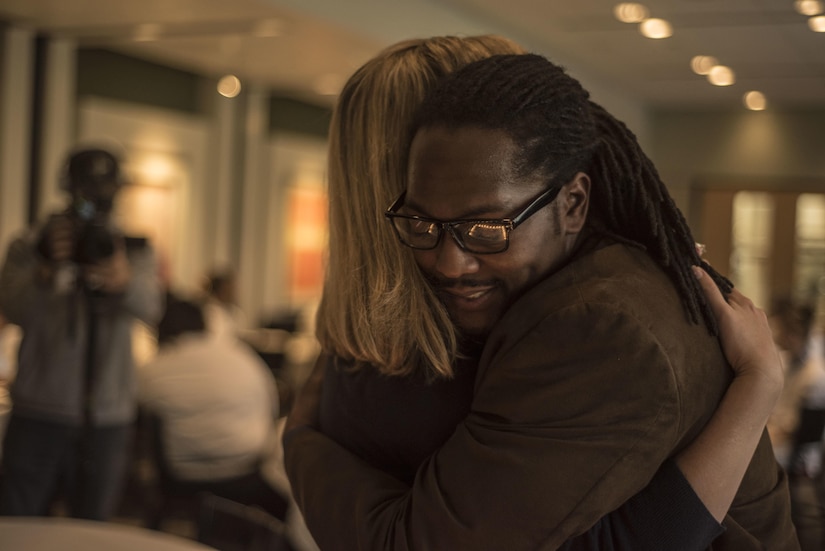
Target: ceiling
column 307, row 48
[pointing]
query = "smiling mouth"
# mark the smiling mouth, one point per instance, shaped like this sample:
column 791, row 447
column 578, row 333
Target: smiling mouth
column 467, row 298
column 468, row 293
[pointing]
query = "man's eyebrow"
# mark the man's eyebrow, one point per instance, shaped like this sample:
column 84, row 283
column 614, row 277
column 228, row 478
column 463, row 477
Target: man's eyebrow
column 478, row 212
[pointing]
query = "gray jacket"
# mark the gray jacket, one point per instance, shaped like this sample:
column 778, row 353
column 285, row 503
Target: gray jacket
column 52, row 361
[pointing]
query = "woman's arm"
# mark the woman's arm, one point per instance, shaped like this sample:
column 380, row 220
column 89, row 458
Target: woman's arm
column 716, row 461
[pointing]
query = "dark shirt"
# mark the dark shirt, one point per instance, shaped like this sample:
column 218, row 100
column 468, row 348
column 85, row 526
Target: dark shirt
column 408, row 417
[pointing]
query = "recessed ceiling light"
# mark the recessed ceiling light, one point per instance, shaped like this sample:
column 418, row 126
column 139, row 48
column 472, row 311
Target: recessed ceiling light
column 720, row 75
column 817, row 24
column 229, row 86
column 630, row 12
column 808, row 7
column 755, row 101
column 701, row 64
column 655, row 28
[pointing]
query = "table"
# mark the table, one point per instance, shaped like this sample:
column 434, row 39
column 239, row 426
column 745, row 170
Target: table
column 66, row 534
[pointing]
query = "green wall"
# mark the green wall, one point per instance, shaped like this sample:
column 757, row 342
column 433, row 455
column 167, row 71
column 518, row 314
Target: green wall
column 296, row 116
column 117, row 76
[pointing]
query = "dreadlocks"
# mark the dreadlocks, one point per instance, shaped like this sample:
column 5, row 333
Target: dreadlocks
column 561, row 132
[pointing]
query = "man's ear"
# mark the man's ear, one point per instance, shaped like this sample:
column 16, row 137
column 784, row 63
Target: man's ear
column 575, row 200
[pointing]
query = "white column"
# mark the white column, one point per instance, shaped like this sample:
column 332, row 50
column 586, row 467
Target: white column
column 225, row 127
column 59, row 110
column 253, row 206
column 16, row 90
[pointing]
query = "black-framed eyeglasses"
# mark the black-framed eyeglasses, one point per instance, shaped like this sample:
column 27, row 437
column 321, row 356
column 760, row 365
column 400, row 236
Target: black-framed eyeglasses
column 478, row 236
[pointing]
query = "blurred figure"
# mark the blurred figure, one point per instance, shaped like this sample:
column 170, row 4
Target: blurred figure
column 74, row 285
column 9, row 343
column 224, row 318
column 792, row 324
column 217, row 404
column 798, row 421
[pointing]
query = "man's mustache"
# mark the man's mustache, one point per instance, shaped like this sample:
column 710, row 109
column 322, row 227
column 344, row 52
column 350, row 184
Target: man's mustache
column 440, row 283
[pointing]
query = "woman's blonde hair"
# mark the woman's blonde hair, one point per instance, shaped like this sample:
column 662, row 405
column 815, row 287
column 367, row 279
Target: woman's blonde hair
column 377, row 308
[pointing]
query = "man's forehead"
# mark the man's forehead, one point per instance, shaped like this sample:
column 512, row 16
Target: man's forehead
column 464, row 172
column 480, row 146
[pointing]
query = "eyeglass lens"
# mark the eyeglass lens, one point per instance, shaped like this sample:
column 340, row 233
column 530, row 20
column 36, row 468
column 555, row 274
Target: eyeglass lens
column 479, row 237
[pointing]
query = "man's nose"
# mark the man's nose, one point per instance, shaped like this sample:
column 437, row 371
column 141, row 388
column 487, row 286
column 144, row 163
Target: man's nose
column 453, row 262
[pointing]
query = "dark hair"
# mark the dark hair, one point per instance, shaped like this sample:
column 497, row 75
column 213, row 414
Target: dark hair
column 217, row 278
column 560, row 132
column 181, row 316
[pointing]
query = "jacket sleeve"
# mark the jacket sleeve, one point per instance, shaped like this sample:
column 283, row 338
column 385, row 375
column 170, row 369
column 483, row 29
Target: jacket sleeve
column 666, row 514
column 567, row 424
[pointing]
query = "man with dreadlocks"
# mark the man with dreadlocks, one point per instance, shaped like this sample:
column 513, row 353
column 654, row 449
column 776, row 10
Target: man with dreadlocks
column 549, row 237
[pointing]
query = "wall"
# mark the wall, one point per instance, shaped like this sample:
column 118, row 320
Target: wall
column 694, row 148
column 196, row 157
column 707, row 157
column 229, row 171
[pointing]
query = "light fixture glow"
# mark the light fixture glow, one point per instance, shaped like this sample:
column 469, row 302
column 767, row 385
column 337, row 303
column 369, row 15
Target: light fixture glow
column 329, row 84
column 655, row 28
column 229, row 86
column 268, row 28
column 808, row 7
column 720, row 75
column 817, row 24
column 755, row 101
column 146, row 32
column 702, row 64
column 630, row 12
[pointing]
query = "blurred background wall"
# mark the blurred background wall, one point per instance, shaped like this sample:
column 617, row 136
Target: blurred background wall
column 239, row 180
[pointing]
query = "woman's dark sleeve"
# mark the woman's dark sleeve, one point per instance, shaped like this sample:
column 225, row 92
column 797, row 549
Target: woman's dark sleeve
column 666, row 514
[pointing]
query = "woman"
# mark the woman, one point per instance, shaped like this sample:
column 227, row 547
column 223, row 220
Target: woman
column 407, row 360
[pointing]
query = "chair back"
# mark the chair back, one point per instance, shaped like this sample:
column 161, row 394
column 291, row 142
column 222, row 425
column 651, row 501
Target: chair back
column 230, row 526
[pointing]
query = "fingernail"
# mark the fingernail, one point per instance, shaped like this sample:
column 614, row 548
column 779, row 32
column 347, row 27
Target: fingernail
column 697, row 272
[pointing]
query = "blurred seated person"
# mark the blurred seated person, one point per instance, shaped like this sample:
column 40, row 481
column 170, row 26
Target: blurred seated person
column 798, row 420
column 802, row 356
column 224, row 318
column 9, row 343
column 217, row 404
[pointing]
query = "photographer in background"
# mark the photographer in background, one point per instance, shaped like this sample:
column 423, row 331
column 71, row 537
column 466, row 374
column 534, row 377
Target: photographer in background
column 75, row 285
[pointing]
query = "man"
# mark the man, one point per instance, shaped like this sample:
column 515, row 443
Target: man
column 217, row 403
column 74, row 286
column 548, row 234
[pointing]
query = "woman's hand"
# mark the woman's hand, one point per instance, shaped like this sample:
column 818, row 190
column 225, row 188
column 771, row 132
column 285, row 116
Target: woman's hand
column 744, row 334
column 715, row 462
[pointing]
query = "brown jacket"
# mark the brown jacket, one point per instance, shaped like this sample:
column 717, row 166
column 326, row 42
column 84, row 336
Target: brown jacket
column 587, row 384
